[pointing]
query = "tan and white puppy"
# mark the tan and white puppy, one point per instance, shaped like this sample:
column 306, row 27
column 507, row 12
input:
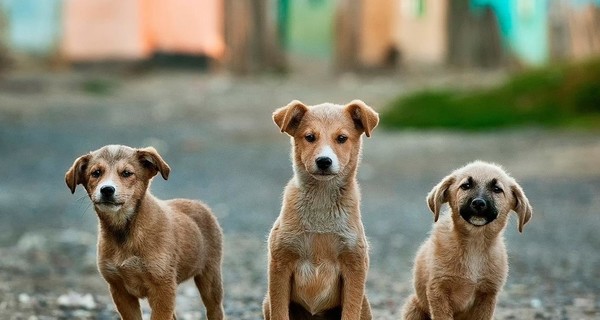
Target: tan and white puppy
column 147, row 246
column 318, row 253
column 462, row 266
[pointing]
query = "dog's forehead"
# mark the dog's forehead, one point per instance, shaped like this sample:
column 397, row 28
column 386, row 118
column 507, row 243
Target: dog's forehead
column 113, row 153
column 328, row 112
column 483, row 171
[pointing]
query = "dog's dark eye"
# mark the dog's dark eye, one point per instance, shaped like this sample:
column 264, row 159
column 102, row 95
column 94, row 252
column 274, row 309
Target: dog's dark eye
column 497, row 189
column 310, row 137
column 341, row 138
column 96, row 174
column 126, row 174
column 465, row 186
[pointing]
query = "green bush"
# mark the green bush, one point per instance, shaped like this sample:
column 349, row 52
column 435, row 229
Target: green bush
column 555, row 96
column 98, row 86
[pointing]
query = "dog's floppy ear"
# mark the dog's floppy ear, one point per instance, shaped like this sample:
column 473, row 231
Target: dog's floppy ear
column 151, row 160
column 74, row 175
column 439, row 195
column 288, row 118
column 521, row 206
column 364, row 117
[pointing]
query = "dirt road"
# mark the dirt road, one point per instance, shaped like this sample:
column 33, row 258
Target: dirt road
column 217, row 135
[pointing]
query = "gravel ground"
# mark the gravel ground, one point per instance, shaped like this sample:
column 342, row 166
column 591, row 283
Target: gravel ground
column 217, row 135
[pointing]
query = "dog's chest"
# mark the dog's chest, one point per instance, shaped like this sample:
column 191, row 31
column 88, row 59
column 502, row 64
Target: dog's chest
column 327, row 220
column 132, row 273
column 482, row 273
column 316, row 279
column 474, row 266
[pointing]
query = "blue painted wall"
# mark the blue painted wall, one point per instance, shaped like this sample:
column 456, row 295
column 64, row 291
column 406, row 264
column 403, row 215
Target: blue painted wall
column 34, row 26
column 524, row 27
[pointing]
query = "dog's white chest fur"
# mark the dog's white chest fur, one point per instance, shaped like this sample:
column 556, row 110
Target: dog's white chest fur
column 317, row 274
column 474, row 264
column 323, row 232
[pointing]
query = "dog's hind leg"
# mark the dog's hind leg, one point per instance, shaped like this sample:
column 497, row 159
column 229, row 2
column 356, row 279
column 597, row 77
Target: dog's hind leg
column 412, row 310
column 211, row 290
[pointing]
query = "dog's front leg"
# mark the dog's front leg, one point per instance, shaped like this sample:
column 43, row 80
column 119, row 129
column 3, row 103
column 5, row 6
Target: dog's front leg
column 161, row 298
column 128, row 305
column 354, row 273
column 280, row 276
column 483, row 307
column 438, row 298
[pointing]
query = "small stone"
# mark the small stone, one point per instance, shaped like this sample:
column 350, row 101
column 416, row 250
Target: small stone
column 584, row 304
column 77, row 301
column 24, row 298
column 536, row 303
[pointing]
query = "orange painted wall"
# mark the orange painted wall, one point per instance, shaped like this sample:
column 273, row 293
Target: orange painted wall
column 421, row 36
column 186, row 26
column 104, row 29
column 377, row 32
column 134, row 29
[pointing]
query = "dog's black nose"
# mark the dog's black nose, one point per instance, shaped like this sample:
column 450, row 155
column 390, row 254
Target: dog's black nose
column 324, row 162
column 107, row 191
column 478, row 204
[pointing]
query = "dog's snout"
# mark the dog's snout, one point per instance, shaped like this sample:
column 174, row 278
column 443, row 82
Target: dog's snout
column 478, row 204
column 107, row 191
column 324, row 163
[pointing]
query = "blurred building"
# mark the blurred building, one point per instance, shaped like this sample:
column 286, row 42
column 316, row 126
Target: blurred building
column 254, row 35
column 31, row 27
column 100, row 30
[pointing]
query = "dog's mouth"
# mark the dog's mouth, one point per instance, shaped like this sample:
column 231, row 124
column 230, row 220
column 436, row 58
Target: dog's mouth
column 108, row 203
column 478, row 221
column 323, row 175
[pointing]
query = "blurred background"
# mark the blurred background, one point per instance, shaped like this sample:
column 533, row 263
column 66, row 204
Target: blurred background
column 515, row 82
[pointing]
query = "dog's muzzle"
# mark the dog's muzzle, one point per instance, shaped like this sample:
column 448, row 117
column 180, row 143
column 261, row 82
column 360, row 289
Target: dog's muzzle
column 107, row 197
column 323, row 163
column 324, row 168
column 478, row 211
column 107, row 191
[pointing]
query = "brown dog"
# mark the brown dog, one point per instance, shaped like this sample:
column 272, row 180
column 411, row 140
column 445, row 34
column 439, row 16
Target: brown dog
column 147, row 246
column 462, row 267
column 318, row 253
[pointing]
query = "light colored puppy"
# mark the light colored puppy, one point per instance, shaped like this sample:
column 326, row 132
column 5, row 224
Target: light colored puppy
column 318, row 253
column 462, row 266
column 147, row 246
